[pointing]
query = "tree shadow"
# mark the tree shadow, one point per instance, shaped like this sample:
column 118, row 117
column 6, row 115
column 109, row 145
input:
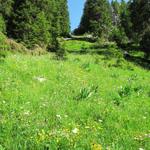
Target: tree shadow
column 90, row 51
column 137, row 60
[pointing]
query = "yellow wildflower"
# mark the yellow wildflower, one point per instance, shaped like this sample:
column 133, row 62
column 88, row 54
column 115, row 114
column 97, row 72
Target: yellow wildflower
column 96, row 147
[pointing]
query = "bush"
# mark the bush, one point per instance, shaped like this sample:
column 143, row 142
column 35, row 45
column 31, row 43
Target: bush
column 60, row 51
column 3, row 44
column 119, row 36
column 102, row 43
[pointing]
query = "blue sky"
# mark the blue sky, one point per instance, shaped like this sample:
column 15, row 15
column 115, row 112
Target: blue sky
column 76, row 10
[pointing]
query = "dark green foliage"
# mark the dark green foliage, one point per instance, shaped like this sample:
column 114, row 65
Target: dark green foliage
column 2, row 24
column 96, row 18
column 121, row 29
column 3, row 44
column 119, row 36
column 31, row 23
column 6, row 8
column 60, row 50
column 125, row 91
column 125, row 19
column 145, row 43
column 140, row 15
column 35, row 22
column 63, row 17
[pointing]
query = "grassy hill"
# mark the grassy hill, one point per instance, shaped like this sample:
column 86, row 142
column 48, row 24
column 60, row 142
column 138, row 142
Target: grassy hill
column 89, row 101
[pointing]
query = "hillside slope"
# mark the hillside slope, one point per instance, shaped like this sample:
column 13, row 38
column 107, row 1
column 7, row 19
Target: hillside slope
column 85, row 102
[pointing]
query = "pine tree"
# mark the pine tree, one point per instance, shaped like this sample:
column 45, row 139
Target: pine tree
column 64, row 17
column 140, row 16
column 35, row 22
column 6, row 11
column 96, row 18
column 126, row 19
column 31, row 22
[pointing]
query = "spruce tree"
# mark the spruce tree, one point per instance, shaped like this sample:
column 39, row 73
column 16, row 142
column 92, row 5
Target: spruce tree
column 96, row 18
column 125, row 18
column 31, row 22
column 6, row 11
column 64, row 17
column 140, row 15
column 35, row 22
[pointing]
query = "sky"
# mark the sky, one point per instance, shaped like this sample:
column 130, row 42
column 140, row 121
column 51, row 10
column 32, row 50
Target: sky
column 75, row 10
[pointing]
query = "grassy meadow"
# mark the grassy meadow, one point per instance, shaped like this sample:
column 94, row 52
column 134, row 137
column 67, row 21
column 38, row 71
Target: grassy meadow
column 87, row 102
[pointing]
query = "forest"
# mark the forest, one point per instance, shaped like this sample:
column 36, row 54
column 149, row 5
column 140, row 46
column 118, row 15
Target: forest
column 86, row 89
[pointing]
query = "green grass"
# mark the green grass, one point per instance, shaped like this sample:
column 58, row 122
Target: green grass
column 76, row 45
column 85, row 102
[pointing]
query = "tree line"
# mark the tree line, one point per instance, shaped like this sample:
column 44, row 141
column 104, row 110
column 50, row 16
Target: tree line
column 42, row 21
column 123, row 22
column 35, row 21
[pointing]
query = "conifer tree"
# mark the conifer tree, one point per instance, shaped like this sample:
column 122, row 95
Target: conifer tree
column 35, row 22
column 125, row 18
column 30, row 22
column 140, row 16
column 6, row 10
column 96, row 18
column 63, row 17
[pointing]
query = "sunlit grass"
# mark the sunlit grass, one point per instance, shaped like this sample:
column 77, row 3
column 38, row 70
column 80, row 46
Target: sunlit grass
column 85, row 102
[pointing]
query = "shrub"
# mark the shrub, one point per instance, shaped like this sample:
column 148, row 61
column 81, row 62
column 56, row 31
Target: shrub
column 60, row 51
column 102, row 43
column 3, row 44
column 119, row 36
column 99, row 43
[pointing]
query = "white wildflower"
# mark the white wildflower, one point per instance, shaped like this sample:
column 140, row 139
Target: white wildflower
column 26, row 113
column 4, row 102
column 40, row 79
column 58, row 116
column 66, row 116
column 87, row 127
column 141, row 148
column 75, row 130
column 100, row 120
